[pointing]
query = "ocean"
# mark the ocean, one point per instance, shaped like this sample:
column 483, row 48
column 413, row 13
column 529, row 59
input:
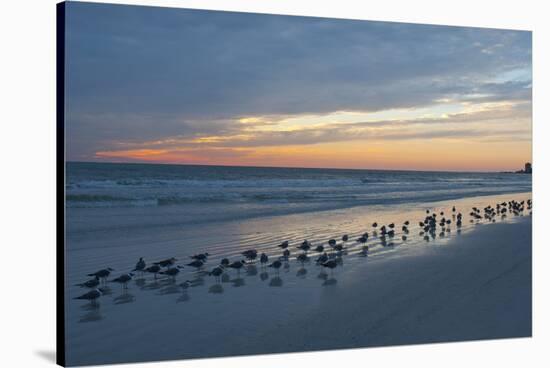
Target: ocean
column 215, row 193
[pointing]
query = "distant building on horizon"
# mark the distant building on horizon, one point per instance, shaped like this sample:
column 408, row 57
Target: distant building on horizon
column 528, row 169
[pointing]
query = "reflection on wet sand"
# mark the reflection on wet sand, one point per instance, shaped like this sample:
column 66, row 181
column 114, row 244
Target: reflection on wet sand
column 184, row 297
column 238, row 282
column 124, row 298
column 330, row 282
column 276, row 282
column 216, row 289
column 92, row 316
column 324, row 259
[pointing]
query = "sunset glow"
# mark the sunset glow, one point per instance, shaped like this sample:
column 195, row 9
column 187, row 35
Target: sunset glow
column 411, row 97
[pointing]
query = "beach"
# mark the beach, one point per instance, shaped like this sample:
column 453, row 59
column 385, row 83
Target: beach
column 470, row 282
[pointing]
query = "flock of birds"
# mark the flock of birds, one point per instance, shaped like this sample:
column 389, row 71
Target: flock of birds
column 329, row 256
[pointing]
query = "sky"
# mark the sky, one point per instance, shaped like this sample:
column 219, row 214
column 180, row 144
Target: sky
column 161, row 85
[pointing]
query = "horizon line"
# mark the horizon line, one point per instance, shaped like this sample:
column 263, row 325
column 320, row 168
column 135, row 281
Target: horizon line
column 287, row 167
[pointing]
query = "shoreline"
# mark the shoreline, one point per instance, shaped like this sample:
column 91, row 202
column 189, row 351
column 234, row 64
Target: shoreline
column 476, row 287
column 304, row 308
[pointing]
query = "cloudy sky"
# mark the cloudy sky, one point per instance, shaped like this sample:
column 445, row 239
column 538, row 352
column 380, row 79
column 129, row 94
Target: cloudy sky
column 162, row 85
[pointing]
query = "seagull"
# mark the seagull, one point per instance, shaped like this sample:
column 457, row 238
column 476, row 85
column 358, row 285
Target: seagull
column 250, row 254
column 196, row 264
column 302, row 258
column 264, row 258
column 200, row 257
column 90, row 283
column 124, row 279
column 286, row 253
column 172, row 271
column 332, row 242
column 154, row 269
column 305, row 246
column 91, row 295
column 276, row 265
column 374, row 225
column 319, row 248
column 322, row 258
column 330, row 264
column 140, row 265
column 102, row 274
column 345, row 238
column 166, row 262
column 216, row 272
column 284, row 244
column 224, row 262
column 237, row 265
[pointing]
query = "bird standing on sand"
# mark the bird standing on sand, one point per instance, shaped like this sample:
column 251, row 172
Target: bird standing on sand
column 302, row 258
column 172, row 271
column 322, row 258
column 224, row 262
column 250, row 254
column 375, row 225
column 154, row 269
column 319, row 248
column 264, row 259
column 276, row 265
column 166, row 262
column 91, row 295
column 345, row 238
column 237, row 265
column 330, row 264
column 216, row 272
column 90, row 283
column 196, row 264
column 200, row 257
column 102, row 274
column 284, row 245
column 124, row 279
column 305, row 246
column 140, row 265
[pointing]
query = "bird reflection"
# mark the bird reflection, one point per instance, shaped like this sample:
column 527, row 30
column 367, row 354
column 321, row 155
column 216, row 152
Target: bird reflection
column 92, row 316
column 276, row 282
column 322, row 275
column 302, row 272
column 170, row 289
column 226, row 278
column 184, row 297
column 238, row 282
column 125, row 298
column 330, row 282
column 140, row 282
column 264, row 276
column 106, row 290
column 251, row 270
column 216, row 289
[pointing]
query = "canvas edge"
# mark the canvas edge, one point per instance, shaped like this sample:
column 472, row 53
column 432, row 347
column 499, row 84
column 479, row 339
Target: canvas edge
column 60, row 180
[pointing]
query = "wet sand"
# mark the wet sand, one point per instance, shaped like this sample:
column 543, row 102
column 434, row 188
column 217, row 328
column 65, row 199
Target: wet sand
column 472, row 285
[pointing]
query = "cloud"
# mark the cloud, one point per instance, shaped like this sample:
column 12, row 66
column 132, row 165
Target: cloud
column 138, row 74
column 485, row 122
